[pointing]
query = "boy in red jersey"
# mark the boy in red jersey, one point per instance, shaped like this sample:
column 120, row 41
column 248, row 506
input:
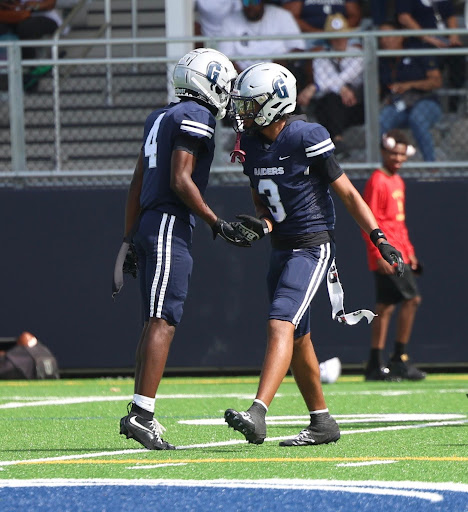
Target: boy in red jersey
column 385, row 194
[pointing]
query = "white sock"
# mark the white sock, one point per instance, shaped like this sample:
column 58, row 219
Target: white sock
column 320, row 411
column 145, row 402
column 258, row 401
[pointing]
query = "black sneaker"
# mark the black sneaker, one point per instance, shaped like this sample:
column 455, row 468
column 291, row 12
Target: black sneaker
column 377, row 373
column 404, row 370
column 244, row 423
column 146, row 432
column 323, row 429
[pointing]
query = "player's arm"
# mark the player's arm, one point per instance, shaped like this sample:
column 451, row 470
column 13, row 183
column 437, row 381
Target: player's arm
column 182, row 166
column 127, row 260
column 363, row 215
column 132, row 207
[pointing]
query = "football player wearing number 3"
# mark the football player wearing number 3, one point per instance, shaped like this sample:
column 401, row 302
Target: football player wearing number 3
column 165, row 194
column 290, row 164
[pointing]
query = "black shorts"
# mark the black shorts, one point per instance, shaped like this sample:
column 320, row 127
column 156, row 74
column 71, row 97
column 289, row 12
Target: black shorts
column 391, row 289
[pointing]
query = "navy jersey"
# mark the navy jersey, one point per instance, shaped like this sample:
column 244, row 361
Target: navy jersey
column 405, row 69
column 287, row 174
column 163, row 128
column 315, row 12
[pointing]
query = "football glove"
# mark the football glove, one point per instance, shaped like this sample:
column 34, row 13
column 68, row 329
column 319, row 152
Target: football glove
column 130, row 265
column 252, row 228
column 392, row 256
column 229, row 231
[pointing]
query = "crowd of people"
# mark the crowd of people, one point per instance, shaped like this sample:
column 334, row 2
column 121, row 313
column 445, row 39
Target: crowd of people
column 408, row 84
column 29, row 20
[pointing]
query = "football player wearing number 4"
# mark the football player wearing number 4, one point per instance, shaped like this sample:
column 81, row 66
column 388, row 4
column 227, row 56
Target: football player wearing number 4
column 290, row 164
column 165, row 194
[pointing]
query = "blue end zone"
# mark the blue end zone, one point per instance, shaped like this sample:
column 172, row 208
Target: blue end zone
column 168, row 498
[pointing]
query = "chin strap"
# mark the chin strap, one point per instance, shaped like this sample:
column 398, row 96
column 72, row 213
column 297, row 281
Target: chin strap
column 237, row 152
column 336, row 295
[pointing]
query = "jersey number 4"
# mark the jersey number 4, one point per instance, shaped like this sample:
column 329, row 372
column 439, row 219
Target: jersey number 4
column 151, row 144
column 269, row 188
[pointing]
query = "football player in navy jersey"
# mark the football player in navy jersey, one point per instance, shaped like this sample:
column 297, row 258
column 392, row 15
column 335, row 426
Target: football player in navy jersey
column 290, row 164
column 165, row 194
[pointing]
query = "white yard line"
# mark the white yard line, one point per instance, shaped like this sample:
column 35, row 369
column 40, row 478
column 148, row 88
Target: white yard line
column 220, row 443
column 35, row 402
column 365, row 463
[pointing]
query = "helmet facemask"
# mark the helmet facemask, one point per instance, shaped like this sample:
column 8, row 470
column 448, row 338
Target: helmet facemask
column 244, row 107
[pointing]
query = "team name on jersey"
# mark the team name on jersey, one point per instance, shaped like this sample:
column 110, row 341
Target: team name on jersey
column 268, row 171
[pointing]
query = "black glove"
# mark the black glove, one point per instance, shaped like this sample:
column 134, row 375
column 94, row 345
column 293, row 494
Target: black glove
column 229, row 231
column 252, row 228
column 392, row 256
column 130, row 265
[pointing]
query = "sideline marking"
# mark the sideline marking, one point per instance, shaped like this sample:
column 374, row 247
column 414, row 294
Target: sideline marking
column 153, row 466
column 240, row 459
column 421, row 490
column 34, row 402
column 366, row 463
column 64, row 458
column 343, row 418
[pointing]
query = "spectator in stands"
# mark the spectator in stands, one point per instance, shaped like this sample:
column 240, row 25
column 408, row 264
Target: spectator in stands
column 407, row 89
column 210, row 15
column 381, row 11
column 29, row 20
column 311, row 15
column 385, row 195
column 440, row 14
column 258, row 19
column 337, row 87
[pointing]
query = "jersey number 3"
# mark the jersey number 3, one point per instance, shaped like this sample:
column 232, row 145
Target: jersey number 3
column 151, row 145
column 269, row 188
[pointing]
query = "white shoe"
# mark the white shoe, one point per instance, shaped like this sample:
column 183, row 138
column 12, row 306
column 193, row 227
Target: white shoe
column 330, row 370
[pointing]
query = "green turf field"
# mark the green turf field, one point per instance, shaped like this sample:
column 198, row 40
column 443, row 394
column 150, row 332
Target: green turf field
column 390, row 431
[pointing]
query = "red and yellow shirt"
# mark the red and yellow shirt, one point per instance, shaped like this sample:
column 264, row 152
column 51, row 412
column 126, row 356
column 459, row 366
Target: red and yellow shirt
column 385, row 196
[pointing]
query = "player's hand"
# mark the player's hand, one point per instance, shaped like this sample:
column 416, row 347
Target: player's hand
column 229, row 231
column 130, row 265
column 392, row 256
column 252, row 228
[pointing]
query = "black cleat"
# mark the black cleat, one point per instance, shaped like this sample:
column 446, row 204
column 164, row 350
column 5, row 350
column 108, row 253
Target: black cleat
column 146, row 432
column 243, row 422
column 402, row 370
column 323, row 429
column 376, row 373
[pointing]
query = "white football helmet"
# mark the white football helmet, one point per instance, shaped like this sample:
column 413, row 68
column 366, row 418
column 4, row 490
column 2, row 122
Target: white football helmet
column 263, row 92
column 207, row 75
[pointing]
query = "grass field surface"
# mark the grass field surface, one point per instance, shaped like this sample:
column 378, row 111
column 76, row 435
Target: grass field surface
column 403, row 445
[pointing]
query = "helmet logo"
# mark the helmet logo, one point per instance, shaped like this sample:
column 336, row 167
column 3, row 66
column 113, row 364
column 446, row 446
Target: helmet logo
column 213, row 71
column 279, row 87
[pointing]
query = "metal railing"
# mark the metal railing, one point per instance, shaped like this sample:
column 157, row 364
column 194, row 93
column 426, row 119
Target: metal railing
column 12, row 104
